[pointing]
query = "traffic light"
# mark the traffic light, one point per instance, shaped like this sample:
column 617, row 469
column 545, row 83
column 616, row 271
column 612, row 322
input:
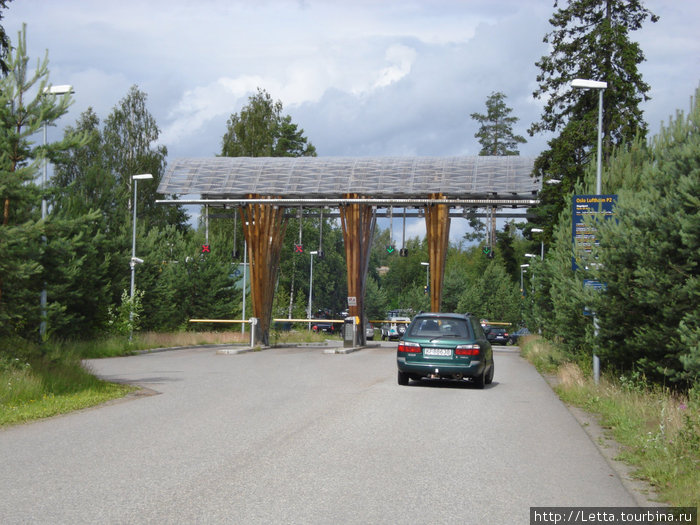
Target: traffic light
column 488, row 252
column 298, row 248
column 390, row 248
column 403, row 252
column 426, row 289
column 320, row 253
column 206, row 248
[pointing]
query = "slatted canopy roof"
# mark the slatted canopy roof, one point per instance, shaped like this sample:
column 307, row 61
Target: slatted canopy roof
column 334, row 177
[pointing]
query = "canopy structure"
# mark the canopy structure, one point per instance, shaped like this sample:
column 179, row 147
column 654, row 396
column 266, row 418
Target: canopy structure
column 261, row 186
column 335, row 177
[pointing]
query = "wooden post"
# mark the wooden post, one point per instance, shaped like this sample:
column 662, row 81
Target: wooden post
column 263, row 227
column 358, row 222
column 437, row 226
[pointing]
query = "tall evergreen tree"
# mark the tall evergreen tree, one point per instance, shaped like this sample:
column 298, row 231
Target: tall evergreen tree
column 4, row 42
column 25, row 240
column 496, row 128
column 650, row 258
column 590, row 39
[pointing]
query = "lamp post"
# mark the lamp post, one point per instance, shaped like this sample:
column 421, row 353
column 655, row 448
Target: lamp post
column 245, row 279
column 600, row 86
column 311, row 287
column 522, row 285
column 540, row 230
column 427, row 275
column 532, row 283
column 51, row 90
column 134, row 260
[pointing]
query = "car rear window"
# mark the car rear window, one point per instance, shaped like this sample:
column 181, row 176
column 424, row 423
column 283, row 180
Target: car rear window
column 439, row 327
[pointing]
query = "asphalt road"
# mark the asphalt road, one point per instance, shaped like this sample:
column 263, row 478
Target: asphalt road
column 300, row 436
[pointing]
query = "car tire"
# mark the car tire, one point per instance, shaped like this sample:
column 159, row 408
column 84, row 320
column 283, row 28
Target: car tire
column 403, row 378
column 480, row 380
column 489, row 376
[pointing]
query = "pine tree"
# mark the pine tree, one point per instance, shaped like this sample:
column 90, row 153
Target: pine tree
column 590, row 40
column 651, row 262
column 4, row 42
column 496, row 131
column 26, row 240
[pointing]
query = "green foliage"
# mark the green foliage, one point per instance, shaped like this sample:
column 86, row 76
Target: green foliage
column 651, row 262
column 493, row 295
column 44, row 381
column 260, row 130
column 124, row 319
column 648, row 258
column 589, row 40
column 496, row 127
column 27, row 241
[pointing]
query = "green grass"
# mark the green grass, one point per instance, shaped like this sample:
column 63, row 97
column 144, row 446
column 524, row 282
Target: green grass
column 38, row 384
column 659, row 430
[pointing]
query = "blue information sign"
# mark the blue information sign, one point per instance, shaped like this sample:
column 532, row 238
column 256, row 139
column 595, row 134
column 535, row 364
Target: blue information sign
column 583, row 233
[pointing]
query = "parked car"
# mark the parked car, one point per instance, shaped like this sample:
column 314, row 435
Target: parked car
column 395, row 328
column 497, row 335
column 369, row 330
column 323, row 324
column 445, row 346
column 514, row 337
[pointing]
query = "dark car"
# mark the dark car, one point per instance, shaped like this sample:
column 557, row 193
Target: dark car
column 497, row 335
column 515, row 336
column 445, row 346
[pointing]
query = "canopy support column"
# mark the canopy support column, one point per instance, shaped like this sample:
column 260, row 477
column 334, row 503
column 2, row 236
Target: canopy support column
column 264, row 226
column 437, row 227
column 358, row 222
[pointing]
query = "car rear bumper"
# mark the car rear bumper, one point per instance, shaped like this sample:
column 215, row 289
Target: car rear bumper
column 444, row 369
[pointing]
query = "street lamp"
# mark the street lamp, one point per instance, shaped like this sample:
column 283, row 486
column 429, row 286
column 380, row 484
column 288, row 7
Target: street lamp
column 134, row 260
column 311, row 286
column 540, row 230
column 522, row 271
column 51, row 90
column 600, row 86
column 427, row 274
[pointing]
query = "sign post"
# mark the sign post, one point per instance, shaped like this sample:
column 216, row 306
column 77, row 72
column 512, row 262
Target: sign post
column 583, row 239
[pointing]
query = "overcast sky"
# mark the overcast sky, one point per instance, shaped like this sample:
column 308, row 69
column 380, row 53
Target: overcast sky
column 361, row 77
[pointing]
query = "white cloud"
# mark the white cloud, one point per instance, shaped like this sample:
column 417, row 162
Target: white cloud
column 401, row 57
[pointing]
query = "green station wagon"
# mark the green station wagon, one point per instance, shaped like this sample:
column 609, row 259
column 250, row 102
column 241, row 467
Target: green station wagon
column 445, row 346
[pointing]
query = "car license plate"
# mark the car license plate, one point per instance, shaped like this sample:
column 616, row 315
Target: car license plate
column 442, row 352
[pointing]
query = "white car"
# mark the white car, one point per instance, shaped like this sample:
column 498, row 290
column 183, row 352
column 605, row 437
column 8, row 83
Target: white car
column 395, row 328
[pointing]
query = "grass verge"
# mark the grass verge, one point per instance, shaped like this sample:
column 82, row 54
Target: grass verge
column 659, row 430
column 35, row 384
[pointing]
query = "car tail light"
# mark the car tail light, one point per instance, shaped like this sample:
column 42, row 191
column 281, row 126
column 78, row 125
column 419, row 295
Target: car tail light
column 408, row 347
column 467, row 350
